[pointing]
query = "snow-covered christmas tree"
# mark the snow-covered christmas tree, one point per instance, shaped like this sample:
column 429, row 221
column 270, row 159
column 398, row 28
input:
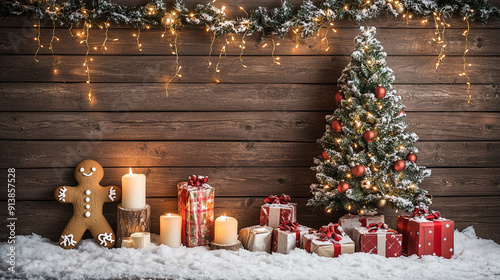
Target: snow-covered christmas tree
column 369, row 158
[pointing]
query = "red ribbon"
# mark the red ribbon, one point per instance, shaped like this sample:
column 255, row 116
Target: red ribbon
column 435, row 215
column 274, row 199
column 332, row 231
column 419, row 211
column 197, row 181
column 376, row 226
column 293, row 227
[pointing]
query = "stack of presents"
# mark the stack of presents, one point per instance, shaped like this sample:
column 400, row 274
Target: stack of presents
column 421, row 233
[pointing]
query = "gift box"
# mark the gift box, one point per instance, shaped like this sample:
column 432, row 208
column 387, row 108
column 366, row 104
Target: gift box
column 196, row 207
column 288, row 236
column 256, row 238
column 331, row 241
column 378, row 239
column 426, row 234
column 349, row 222
column 277, row 211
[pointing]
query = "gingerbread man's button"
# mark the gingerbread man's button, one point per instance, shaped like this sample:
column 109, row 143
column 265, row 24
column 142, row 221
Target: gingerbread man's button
column 87, row 214
column 87, row 206
column 87, row 199
column 87, row 192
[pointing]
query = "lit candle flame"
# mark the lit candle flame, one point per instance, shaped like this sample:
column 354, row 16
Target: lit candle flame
column 130, row 171
column 169, row 215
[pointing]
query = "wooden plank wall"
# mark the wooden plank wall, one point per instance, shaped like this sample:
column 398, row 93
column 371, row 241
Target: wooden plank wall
column 253, row 134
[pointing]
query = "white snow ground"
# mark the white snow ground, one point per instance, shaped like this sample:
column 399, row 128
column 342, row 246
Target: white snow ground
column 39, row 258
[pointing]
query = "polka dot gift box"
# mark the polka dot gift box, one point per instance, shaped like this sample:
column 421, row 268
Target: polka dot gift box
column 426, row 234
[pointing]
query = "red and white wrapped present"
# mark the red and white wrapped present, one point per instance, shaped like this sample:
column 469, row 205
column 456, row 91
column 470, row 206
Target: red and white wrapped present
column 349, row 222
column 288, row 236
column 331, row 241
column 277, row 211
column 196, row 207
column 426, row 233
column 378, row 239
column 256, row 238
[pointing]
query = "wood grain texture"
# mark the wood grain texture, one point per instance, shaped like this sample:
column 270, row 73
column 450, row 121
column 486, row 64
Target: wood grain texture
column 463, row 210
column 294, row 69
column 39, row 184
column 230, row 126
column 197, row 42
column 118, row 97
column 38, row 154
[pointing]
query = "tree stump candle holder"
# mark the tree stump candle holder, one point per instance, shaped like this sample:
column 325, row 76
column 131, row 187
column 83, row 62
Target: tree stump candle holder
column 231, row 247
column 132, row 220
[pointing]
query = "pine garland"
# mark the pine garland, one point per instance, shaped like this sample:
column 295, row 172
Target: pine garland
column 309, row 18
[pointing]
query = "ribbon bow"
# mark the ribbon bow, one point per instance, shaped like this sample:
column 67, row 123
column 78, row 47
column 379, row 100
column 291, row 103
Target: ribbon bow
column 435, row 215
column 290, row 226
column 376, row 226
column 331, row 231
column 197, row 181
column 274, row 199
column 419, row 211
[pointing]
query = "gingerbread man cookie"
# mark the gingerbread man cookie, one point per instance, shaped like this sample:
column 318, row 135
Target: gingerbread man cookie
column 88, row 198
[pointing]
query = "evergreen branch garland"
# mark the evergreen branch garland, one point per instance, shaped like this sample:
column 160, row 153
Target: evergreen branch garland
column 309, row 18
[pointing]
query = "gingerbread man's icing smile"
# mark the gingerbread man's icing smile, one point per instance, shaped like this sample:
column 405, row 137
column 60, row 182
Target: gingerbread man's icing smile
column 87, row 174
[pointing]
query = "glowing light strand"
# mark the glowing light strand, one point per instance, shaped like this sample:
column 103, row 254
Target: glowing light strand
column 52, row 40
column 38, row 40
column 86, row 63
column 275, row 59
column 440, row 46
column 465, row 64
column 177, row 66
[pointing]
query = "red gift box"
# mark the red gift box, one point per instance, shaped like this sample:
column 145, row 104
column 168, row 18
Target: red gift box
column 425, row 234
column 196, row 207
column 378, row 239
column 277, row 211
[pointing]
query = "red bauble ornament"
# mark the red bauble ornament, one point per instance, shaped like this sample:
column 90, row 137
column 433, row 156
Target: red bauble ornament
column 338, row 96
column 358, row 170
column 343, row 187
column 369, row 136
column 337, row 125
column 324, row 155
column 411, row 157
column 379, row 92
column 399, row 165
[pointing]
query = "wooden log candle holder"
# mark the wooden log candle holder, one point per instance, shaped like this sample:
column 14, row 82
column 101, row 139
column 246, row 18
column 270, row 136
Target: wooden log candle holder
column 132, row 220
column 231, row 247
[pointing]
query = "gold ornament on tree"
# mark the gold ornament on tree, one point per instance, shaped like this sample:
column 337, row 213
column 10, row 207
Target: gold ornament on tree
column 381, row 203
column 167, row 20
column 400, row 8
column 366, row 184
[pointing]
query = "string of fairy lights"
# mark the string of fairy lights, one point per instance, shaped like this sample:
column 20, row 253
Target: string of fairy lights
column 309, row 19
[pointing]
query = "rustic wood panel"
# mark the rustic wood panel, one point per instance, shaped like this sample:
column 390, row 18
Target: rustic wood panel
column 38, row 154
column 294, row 69
column 39, row 184
column 230, row 126
column 194, row 42
column 463, row 210
column 229, row 97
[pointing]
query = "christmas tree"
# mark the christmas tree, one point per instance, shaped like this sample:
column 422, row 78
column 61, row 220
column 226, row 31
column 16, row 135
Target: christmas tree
column 369, row 157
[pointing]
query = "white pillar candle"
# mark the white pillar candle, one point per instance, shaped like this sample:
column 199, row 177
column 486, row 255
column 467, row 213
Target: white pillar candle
column 226, row 230
column 170, row 230
column 133, row 191
column 141, row 239
column 127, row 242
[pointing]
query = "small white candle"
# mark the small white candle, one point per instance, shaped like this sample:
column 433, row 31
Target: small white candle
column 226, row 230
column 170, row 230
column 127, row 242
column 133, row 191
column 141, row 239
